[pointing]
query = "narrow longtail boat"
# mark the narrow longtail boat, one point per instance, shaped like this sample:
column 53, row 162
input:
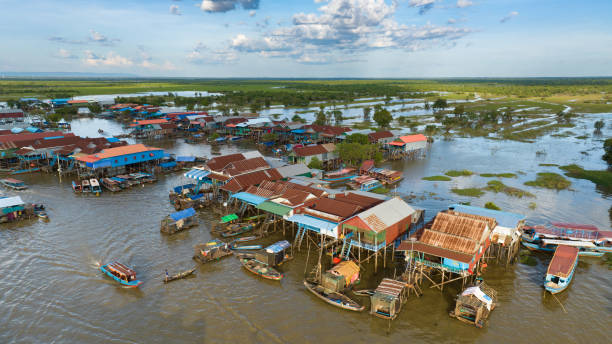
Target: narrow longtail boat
column 237, row 229
column 589, row 240
column 76, row 187
column 121, row 273
column 14, row 184
column 332, row 297
column 180, row 275
column 85, row 188
column 561, row 269
column 95, row 186
column 340, row 176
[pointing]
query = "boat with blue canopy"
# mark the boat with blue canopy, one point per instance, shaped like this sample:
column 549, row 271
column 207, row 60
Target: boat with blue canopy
column 121, row 273
column 14, row 184
column 179, row 221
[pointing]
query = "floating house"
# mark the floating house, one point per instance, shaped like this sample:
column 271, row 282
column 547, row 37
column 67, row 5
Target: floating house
column 326, row 153
column 453, row 244
column 474, row 304
column 388, row 298
column 120, row 159
column 407, row 146
column 12, row 209
column 381, row 137
column 11, row 115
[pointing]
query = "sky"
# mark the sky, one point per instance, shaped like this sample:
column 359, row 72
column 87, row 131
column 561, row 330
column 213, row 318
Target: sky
column 308, row 38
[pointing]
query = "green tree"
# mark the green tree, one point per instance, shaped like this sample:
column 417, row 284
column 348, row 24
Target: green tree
column 297, row 118
column 366, row 113
column 608, row 152
column 315, row 163
column 320, row 119
column 431, row 130
column 358, row 138
column 382, row 117
column 269, row 137
column 459, row 110
column 337, row 117
column 599, row 125
column 440, row 104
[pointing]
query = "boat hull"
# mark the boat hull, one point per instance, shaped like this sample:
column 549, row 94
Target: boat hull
column 131, row 284
column 334, row 299
column 261, row 269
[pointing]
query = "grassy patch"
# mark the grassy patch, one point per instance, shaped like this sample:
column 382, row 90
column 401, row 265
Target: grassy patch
column 470, row 192
column 380, row 190
column 497, row 186
column 526, row 258
column 607, row 258
column 532, row 205
column 492, row 206
column 498, row 175
column 458, row 173
column 550, row 181
column 583, row 137
column 602, row 178
column 549, row 165
column 437, row 178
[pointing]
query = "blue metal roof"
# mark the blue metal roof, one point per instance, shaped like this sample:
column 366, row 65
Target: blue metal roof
column 117, row 179
column 179, row 189
column 197, row 174
column 298, row 131
column 183, row 214
column 168, row 164
column 312, row 222
column 278, row 246
column 34, row 130
column 112, row 139
column 185, row 158
column 504, row 219
column 249, row 198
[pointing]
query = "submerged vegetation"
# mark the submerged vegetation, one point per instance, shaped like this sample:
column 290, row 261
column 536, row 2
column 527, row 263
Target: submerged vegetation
column 459, row 173
column 470, row 192
column 526, row 258
column 498, row 175
column 550, row 180
column 438, row 178
column 603, row 179
column 492, row 206
column 497, row 186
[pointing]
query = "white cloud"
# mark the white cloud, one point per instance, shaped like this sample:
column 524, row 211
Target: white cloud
column 65, row 54
column 97, row 37
column 345, row 28
column 451, row 21
column 423, row 5
column 509, row 16
column 202, row 55
column 214, row 6
column 174, row 9
column 464, row 3
column 112, row 60
column 252, row 13
column 167, row 65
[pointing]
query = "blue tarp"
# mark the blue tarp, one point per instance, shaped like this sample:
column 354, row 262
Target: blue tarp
column 117, row 179
column 112, row 139
column 179, row 189
column 249, row 198
column 16, row 130
column 219, row 139
column 34, row 130
column 183, row 214
column 298, row 131
column 504, row 219
column 197, row 174
column 198, row 196
column 185, row 158
column 53, row 137
column 278, row 246
column 168, row 164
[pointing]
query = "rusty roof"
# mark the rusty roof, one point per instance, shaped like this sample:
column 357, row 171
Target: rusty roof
column 310, row 150
column 390, row 287
column 293, row 197
column 380, row 135
column 460, row 226
column 449, row 241
column 491, row 222
column 334, row 207
column 563, row 261
column 241, row 182
column 218, row 163
column 243, row 166
column 360, row 200
column 15, row 138
column 434, row 251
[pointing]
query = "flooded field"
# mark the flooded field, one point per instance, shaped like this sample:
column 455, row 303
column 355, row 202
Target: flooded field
column 53, row 290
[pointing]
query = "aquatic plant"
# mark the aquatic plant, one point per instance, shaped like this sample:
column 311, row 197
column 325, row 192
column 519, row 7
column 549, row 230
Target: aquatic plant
column 549, row 165
column 550, row 180
column 497, row 186
column 459, row 173
column 492, row 206
column 380, row 190
column 526, row 258
column 470, row 192
column 602, row 179
column 437, row 178
column 532, row 205
column 498, row 175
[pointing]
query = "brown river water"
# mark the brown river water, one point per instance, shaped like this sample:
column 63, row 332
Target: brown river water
column 52, row 290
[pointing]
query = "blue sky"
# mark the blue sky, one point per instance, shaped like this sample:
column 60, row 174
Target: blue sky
column 308, row 38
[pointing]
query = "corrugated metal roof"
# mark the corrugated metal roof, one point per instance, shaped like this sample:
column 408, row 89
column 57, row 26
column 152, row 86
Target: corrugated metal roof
column 310, row 150
column 292, row 170
column 274, row 208
column 11, row 202
column 312, row 222
column 249, row 198
column 386, row 214
column 460, row 226
column 197, row 174
column 252, row 154
column 504, row 219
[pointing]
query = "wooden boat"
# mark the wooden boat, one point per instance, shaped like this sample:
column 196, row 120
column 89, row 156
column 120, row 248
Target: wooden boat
column 95, row 186
column 585, row 248
column 178, row 276
column 475, row 303
column 179, row 221
column 261, row 269
column 211, row 251
column 77, row 187
column 340, row 176
column 333, row 298
column 561, row 269
column 234, row 247
column 245, row 239
column 86, row 188
column 121, row 273
column 39, row 210
column 110, row 184
column 275, row 254
column 14, row 184
column 236, row 229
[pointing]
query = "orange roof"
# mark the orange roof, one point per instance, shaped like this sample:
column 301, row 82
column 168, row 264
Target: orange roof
column 413, row 138
column 78, row 101
column 117, row 151
column 149, row 121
